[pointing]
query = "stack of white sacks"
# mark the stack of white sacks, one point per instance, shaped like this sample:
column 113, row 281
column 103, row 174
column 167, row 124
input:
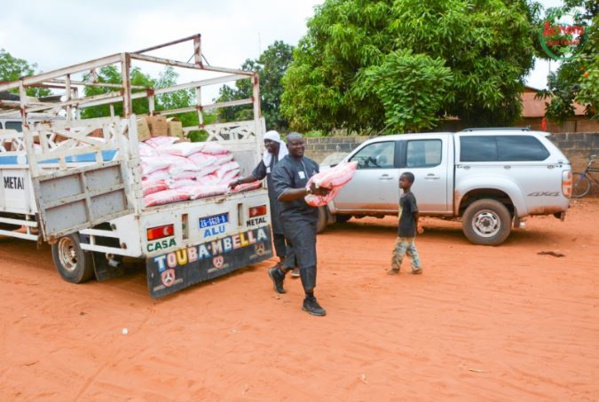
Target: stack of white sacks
column 179, row 171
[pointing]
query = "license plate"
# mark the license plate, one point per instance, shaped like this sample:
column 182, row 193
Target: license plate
column 213, row 220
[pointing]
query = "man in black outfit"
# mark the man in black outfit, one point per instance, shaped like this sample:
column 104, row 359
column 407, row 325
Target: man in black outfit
column 290, row 177
column 275, row 150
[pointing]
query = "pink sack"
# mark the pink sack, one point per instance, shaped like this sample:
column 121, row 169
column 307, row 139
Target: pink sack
column 334, row 178
column 165, row 197
column 202, row 160
column 151, row 164
column 321, row 200
column 178, row 183
column 203, row 191
column 146, row 150
column 226, row 168
column 214, row 148
column 181, row 148
column 149, row 187
column 157, row 142
column 240, row 188
column 161, row 174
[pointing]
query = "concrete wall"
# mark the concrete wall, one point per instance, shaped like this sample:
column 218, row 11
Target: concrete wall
column 576, row 146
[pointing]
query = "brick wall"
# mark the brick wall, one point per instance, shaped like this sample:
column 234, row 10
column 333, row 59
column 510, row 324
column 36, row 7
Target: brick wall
column 576, row 146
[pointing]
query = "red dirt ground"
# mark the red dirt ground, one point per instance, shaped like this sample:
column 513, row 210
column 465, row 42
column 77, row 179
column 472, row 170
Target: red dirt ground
column 482, row 324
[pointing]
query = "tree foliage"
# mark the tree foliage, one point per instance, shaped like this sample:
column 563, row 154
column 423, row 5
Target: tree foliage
column 12, row 69
column 412, row 89
column 112, row 75
column 578, row 76
column 168, row 77
column 271, row 67
column 475, row 53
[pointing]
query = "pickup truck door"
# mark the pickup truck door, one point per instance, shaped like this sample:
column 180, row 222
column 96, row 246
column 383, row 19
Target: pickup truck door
column 375, row 184
column 427, row 159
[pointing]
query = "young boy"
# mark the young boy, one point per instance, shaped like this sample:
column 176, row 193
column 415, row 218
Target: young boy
column 408, row 226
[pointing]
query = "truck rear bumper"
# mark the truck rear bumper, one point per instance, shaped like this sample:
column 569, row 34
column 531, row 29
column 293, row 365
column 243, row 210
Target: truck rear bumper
column 173, row 271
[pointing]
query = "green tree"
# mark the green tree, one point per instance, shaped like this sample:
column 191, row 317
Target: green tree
column 12, row 69
column 478, row 51
column 112, row 75
column 271, row 67
column 578, row 76
column 175, row 100
column 275, row 61
column 242, row 90
column 412, row 89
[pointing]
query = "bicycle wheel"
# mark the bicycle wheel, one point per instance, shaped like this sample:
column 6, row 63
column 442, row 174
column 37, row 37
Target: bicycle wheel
column 581, row 185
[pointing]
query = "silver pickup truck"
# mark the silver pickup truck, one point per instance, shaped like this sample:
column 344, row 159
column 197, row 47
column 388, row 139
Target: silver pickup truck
column 489, row 179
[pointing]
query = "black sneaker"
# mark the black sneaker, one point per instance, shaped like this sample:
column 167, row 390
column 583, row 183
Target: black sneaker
column 312, row 307
column 277, row 279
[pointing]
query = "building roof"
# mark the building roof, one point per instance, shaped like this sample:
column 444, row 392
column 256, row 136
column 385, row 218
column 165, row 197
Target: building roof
column 532, row 107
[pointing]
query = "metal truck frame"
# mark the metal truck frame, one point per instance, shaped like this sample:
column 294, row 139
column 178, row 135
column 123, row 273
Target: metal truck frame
column 76, row 183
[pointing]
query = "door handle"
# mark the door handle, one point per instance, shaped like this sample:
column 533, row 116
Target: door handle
column 432, row 176
column 385, row 177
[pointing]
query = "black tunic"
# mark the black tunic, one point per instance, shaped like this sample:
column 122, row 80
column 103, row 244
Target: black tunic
column 297, row 217
column 260, row 172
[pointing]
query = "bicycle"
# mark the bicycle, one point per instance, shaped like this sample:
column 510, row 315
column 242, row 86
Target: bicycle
column 582, row 182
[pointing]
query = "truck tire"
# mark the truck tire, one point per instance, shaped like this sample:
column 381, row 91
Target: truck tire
column 341, row 218
column 323, row 219
column 486, row 222
column 73, row 264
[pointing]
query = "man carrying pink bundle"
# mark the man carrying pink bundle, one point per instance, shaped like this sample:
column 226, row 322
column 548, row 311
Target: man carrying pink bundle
column 275, row 151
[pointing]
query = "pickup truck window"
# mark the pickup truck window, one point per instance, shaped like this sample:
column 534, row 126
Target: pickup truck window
column 423, row 153
column 501, row 148
column 379, row 155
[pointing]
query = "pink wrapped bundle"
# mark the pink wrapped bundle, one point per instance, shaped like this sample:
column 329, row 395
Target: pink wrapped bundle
column 165, row 197
column 247, row 186
column 202, row 160
column 181, row 183
column 149, row 187
column 334, row 178
column 181, row 148
column 161, row 174
column 222, row 159
column 223, row 170
column 214, row 148
column 157, row 142
column 320, row 200
column 150, row 164
column 209, row 179
column 210, row 170
column 146, row 150
column 203, row 191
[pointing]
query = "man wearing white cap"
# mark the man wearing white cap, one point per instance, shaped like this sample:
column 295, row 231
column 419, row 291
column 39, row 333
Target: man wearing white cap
column 275, row 151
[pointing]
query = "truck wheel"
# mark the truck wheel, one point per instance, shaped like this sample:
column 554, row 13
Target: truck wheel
column 73, row 264
column 486, row 222
column 323, row 219
column 341, row 218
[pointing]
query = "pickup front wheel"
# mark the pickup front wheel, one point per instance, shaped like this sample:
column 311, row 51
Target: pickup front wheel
column 486, row 222
column 73, row 264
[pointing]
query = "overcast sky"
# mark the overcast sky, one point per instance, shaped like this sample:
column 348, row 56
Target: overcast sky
column 57, row 33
